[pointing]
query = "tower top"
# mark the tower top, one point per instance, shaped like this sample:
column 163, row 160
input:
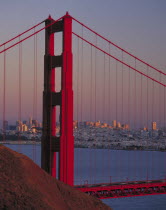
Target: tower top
column 67, row 13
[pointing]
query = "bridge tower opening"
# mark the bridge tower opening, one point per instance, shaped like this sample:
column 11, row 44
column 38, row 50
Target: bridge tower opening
column 51, row 144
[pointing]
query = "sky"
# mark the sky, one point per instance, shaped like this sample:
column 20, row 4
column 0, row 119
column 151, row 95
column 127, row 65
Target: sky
column 136, row 25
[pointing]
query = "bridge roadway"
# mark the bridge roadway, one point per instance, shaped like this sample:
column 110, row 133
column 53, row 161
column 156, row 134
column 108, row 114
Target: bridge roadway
column 124, row 189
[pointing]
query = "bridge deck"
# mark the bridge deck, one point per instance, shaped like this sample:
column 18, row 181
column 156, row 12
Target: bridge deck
column 124, row 189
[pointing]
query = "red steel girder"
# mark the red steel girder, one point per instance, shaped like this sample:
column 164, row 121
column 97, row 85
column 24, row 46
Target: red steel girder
column 118, row 190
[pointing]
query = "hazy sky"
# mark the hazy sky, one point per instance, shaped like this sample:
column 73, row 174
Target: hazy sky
column 136, row 25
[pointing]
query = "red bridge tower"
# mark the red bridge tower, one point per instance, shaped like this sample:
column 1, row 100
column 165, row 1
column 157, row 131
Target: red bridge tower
column 51, row 144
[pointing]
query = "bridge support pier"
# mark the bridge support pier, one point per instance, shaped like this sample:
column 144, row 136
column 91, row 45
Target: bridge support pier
column 51, row 144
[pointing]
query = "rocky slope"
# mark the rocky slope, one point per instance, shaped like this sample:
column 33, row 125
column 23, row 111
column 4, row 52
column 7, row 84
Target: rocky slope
column 24, row 185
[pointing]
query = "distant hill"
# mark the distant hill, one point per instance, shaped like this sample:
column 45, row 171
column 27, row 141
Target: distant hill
column 24, row 185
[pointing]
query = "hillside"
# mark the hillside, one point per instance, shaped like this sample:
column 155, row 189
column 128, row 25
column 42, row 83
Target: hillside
column 24, row 185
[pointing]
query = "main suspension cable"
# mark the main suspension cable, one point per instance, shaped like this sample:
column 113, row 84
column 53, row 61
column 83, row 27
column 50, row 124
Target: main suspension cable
column 119, row 60
column 115, row 45
column 22, row 40
column 21, row 33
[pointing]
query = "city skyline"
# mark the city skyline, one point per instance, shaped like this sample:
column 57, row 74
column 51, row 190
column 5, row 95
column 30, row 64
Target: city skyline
column 124, row 38
column 24, row 125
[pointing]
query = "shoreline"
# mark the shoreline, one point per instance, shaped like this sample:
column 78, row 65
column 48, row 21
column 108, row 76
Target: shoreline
column 29, row 142
column 20, row 142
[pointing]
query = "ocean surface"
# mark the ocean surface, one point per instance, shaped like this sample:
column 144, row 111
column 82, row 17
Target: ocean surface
column 103, row 166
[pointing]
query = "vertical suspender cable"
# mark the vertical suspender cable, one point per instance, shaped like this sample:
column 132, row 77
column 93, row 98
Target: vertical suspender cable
column 95, row 103
column 116, row 108
column 109, row 112
column 19, row 93
column 36, row 74
column 135, row 115
column 120, row 155
column 160, row 108
column 147, row 119
column 34, row 86
column 138, row 128
column 81, row 100
column 122, row 89
column 36, row 83
column 164, row 132
column 4, row 98
column 135, row 100
column 77, row 89
column 152, row 126
column 34, row 96
column 91, row 89
column 129, row 120
column 141, row 120
column 104, row 107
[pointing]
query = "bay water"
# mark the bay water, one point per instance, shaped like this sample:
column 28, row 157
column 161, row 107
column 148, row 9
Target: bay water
column 104, row 166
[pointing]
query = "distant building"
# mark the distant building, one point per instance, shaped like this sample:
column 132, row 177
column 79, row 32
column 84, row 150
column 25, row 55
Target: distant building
column 154, row 126
column 18, row 123
column 118, row 125
column 126, row 126
column 88, row 123
column 145, row 128
column 30, row 122
column 35, row 123
column 97, row 124
column 12, row 127
column 75, row 124
column 104, row 125
column 33, row 129
column 25, row 122
column 40, row 125
column 5, row 125
column 81, row 124
column 18, row 128
column 114, row 123
column 24, row 128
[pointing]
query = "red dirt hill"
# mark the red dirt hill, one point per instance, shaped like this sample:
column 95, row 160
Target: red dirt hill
column 24, row 185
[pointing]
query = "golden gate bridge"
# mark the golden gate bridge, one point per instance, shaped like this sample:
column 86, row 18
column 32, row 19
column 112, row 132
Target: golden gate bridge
column 99, row 82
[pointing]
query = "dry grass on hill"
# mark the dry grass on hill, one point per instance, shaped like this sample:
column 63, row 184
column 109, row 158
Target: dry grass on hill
column 24, row 185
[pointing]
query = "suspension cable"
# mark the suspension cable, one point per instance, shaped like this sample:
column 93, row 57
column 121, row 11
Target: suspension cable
column 22, row 40
column 21, row 33
column 119, row 60
column 115, row 45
